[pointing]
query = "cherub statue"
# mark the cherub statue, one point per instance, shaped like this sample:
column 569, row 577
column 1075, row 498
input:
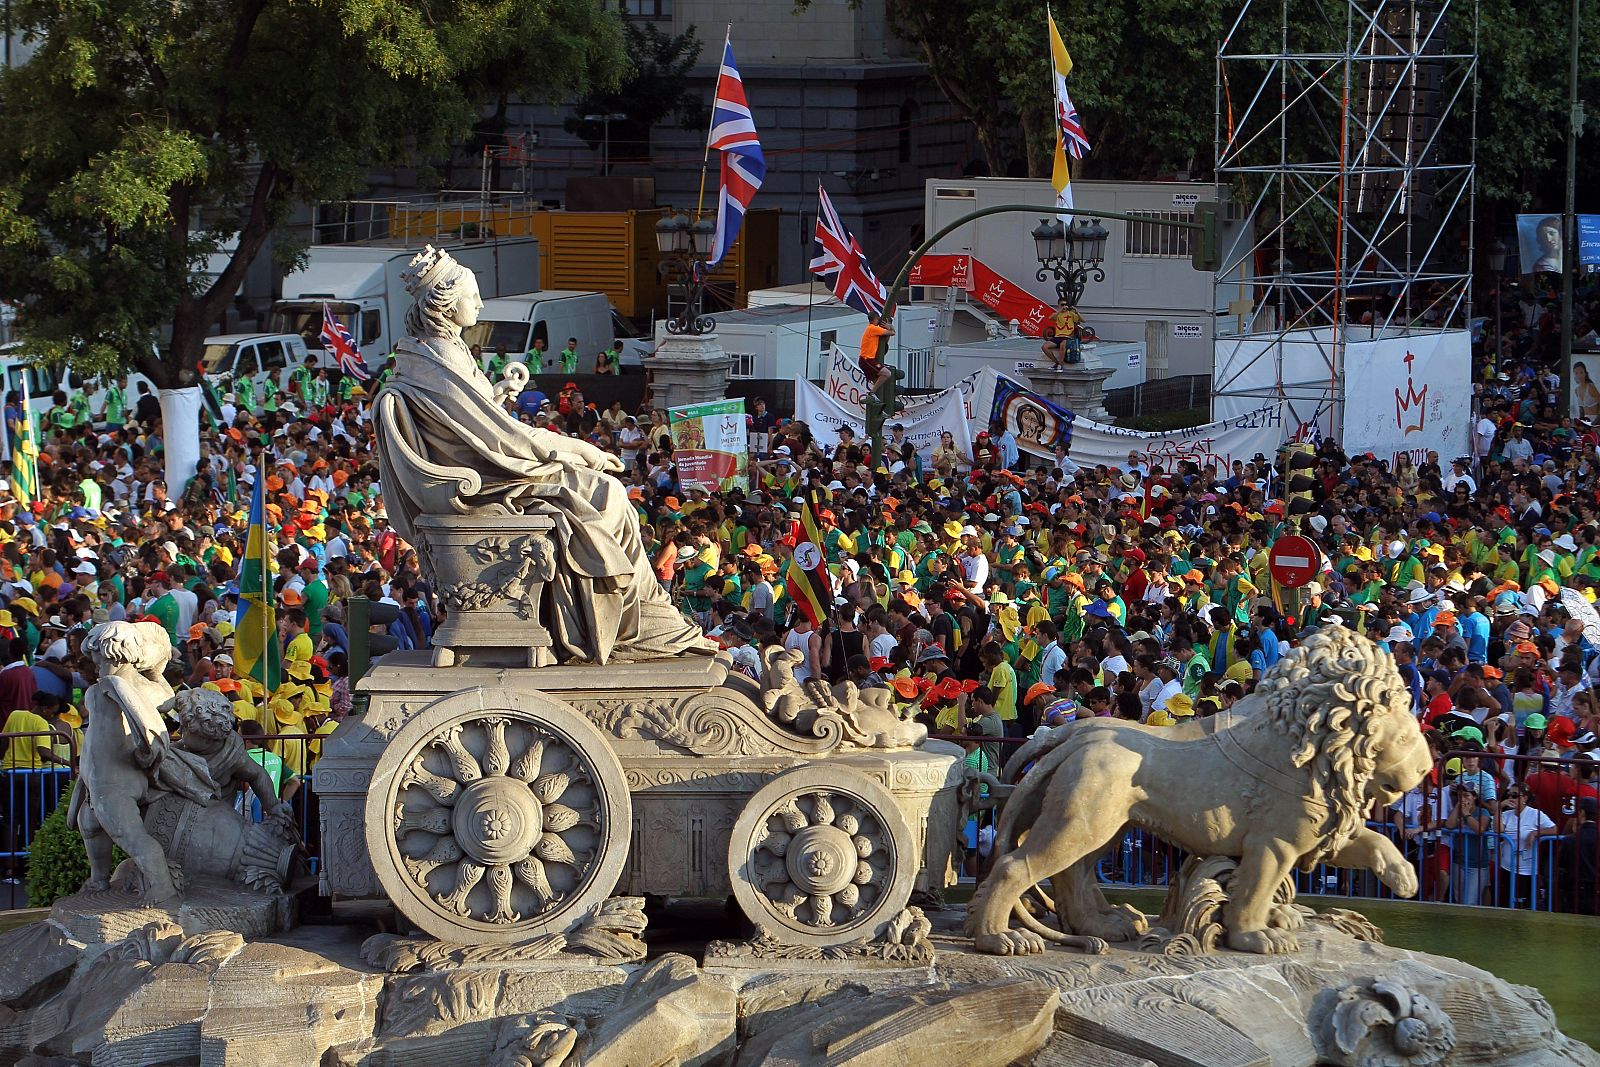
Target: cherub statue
column 128, row 756
column 205, row 719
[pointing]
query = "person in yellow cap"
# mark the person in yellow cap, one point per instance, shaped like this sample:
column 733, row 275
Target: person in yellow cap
column 1180, row 706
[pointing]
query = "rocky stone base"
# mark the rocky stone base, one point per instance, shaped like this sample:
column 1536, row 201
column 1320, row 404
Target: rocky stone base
column 335, row 995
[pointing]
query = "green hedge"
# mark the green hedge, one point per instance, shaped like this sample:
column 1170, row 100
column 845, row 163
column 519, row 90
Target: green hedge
column 57, row 863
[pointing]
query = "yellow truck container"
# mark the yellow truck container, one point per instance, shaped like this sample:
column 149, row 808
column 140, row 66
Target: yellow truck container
column 613, row 252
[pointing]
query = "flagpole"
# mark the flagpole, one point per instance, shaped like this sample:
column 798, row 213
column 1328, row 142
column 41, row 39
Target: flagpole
column 266, row 634
column 705, row 157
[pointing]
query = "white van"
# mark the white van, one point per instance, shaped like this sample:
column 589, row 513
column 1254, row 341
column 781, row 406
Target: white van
column 550, row 315
column 230, row 356
column 42, row 380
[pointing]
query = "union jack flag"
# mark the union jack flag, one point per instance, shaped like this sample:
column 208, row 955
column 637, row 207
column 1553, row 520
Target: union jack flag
column 1073, row 137
column 733, row 133
column 337, row 339
column 837, row 259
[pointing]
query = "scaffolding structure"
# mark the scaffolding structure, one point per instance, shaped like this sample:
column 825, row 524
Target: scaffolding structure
column 1347, row 132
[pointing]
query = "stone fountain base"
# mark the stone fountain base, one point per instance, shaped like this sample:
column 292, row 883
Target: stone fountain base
column 342, row 995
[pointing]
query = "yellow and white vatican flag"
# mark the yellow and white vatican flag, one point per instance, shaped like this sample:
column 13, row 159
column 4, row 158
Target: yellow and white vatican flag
column 1070, row 138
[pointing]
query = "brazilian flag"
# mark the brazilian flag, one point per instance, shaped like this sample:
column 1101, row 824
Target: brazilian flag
column 255, row 639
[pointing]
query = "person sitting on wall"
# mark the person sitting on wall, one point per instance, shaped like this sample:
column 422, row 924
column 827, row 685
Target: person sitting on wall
column 1062, row 341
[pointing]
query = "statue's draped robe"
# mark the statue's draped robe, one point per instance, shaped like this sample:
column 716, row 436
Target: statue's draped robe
column 446, row 447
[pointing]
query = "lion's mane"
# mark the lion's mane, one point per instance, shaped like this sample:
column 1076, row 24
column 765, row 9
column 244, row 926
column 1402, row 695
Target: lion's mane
column 1325, row 697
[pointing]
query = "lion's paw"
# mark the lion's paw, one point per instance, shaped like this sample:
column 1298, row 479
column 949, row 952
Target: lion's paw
column 1009, row 943
column 1400, row 877
column 1119, row 923
column 1093, row 946
column 1265, row 942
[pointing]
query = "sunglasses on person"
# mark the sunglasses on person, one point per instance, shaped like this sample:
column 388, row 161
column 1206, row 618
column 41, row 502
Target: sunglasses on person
column 1514, row 794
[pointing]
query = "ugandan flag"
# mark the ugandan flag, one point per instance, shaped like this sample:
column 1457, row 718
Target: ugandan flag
column 807, row 578
column 255, row 642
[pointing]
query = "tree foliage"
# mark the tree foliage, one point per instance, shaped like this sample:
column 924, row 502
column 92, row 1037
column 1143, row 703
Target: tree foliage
column 655, row 89
column 144, row 135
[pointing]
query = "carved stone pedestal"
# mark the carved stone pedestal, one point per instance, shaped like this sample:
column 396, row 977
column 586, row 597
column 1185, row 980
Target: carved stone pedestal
column 490, row 572
column 1078, row 387
column 688, row 370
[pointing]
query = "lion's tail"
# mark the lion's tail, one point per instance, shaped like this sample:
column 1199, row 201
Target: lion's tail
column 1032, row 750
column 1023, row 806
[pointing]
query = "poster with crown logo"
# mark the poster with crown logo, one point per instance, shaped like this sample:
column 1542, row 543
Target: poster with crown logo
column 1410, row 394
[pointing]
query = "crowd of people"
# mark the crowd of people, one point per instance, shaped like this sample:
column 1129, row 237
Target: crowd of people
column 994, row 594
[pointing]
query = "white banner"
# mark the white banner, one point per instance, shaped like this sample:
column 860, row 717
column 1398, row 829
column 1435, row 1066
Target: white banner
column 1240, row 438
column 1409, row 394
column 1093, row 443
column 924, row 422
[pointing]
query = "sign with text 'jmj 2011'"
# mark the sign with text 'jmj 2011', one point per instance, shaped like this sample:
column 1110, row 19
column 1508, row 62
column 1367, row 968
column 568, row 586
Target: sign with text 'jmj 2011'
column 710, row 445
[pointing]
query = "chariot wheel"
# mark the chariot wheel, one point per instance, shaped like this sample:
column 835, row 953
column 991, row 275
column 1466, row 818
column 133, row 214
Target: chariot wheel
column 496, row 816
column 822, row 855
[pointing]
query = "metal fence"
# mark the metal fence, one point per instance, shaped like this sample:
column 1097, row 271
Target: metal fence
column 1182, row 393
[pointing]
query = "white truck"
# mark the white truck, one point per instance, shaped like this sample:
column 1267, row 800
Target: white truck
column 555, row 316
column 361, row 285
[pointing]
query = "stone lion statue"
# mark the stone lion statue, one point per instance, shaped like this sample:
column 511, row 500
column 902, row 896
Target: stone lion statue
column 1284, row 780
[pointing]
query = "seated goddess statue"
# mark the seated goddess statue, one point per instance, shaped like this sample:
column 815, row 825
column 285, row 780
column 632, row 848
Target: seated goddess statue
column 447, row 446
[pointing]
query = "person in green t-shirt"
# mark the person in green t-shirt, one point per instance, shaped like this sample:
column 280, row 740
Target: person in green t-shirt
column 116, row 411
column 300, row 380
column 244, row 391
column 609, row 361
column 569, row 357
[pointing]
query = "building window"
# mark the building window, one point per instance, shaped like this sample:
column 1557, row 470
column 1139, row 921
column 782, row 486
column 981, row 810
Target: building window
column 645, row 9
column 743, row 365
column 908, row 119
column 1156, row 240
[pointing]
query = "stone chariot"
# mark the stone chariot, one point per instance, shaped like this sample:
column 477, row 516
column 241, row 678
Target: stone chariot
column 493, row 802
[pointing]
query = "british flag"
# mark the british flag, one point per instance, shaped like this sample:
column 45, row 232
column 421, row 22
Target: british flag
column 837, row 259
column 733, row 133
column 337, row 339
column 1075, row 140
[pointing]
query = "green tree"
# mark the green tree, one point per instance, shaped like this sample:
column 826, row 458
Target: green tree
column 655, row 89
column 143, row 135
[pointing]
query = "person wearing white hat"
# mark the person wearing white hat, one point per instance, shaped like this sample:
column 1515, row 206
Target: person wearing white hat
column 1399, row 633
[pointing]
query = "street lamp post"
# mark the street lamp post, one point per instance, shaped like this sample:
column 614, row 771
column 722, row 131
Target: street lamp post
column 1070, row 255
column 685, row 247
column 605, row 122
column 1497, row 263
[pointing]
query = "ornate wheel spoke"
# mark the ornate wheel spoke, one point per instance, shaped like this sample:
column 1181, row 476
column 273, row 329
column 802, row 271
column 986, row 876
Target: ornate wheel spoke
column 443, row 790
column 428, row 820
column 526, row 766
column 530, row 872
column 464, row 764
column 496, row 758
column 550, row 787
column 559, row 818
column 468, row 874
column 500, row 883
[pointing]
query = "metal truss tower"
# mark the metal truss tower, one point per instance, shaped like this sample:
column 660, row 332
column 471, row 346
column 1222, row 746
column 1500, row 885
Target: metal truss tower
column 1347, row 131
